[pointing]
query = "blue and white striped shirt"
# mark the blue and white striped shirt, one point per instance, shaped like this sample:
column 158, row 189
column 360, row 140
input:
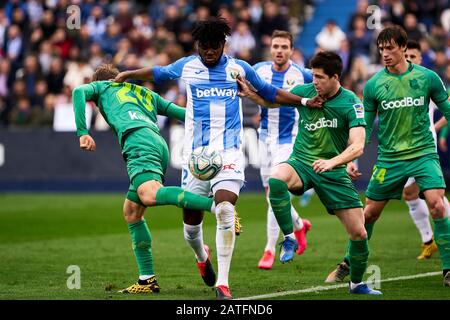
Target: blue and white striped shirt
column 213, row 109
column 279, row 125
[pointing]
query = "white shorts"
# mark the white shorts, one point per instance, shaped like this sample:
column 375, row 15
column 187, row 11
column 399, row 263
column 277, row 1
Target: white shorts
column 231, row 177
column 272, row 154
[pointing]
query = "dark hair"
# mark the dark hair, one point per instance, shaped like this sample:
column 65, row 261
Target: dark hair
column 413, row 44
column 329, row 61
column 105, row 72
column 394, row 33
column 283, row 34
column 211, row 31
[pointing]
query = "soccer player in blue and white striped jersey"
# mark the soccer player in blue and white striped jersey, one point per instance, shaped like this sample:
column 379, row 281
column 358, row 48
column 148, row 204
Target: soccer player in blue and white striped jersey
column 277, row 131
column 214, row 118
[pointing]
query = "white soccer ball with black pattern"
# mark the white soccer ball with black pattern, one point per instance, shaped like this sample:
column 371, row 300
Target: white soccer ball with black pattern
column 205, row 163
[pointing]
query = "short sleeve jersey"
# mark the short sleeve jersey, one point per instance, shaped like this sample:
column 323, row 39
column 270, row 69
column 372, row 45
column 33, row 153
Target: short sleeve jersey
column 323, row 132
column 213, row 107
column 402, row 104
column 279, row 125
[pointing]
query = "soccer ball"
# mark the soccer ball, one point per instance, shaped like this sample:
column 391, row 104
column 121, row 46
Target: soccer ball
column 205, row 163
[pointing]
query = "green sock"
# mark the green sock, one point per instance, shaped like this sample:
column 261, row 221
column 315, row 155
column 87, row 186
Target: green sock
column 142, row 246
column 280, row 201
column 369, row 229
column 183, row 199
column 358, row 257
column 442, row 238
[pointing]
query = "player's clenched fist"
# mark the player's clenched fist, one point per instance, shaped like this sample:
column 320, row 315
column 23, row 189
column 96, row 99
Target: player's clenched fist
column 87, row 143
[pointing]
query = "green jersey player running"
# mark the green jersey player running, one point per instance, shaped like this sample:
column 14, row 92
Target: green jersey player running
column 400, row 95
column 327, row 139
column 131, row 112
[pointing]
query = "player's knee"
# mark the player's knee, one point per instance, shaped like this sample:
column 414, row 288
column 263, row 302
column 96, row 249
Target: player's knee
column 371, row 212
column 409, row 195
column 225, row 215
column 437, row 208
column 277, row 174
column 360, row 233
column 357, row 232
column 133, row 213
column 192, row 217
column 370, row 217
column 147, row 192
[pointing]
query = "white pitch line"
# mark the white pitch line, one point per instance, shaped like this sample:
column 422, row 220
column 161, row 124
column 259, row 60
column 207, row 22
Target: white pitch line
column 337, row 286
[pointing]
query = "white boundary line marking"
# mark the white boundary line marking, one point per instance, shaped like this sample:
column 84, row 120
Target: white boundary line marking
column 337, row 286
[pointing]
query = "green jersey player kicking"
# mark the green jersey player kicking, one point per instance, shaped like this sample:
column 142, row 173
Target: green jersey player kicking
column 400, row 95
column 328, row 138
column 131, row 112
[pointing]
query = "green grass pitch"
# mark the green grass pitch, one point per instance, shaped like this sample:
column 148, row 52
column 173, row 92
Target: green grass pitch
column 41, row 235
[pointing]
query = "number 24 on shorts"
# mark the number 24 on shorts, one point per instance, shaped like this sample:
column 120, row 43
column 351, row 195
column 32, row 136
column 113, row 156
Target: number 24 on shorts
column 378, row 174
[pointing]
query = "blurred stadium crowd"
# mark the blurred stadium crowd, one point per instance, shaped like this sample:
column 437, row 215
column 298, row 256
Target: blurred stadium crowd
column 42, row 60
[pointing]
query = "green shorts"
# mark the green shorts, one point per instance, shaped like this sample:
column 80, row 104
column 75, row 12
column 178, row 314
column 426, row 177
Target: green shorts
column 389, row 177
column 334, row 188
column 146, row 155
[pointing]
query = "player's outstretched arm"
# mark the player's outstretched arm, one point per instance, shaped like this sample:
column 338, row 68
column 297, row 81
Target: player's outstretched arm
column 145, row 74
column 284, row 97
column 355, row 149
column 246, row 91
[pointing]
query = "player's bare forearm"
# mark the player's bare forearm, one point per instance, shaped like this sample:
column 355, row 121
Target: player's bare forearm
column 246, row 91
column 260, row 101
column 284, row 97
column 145, row 74
column 354, row 150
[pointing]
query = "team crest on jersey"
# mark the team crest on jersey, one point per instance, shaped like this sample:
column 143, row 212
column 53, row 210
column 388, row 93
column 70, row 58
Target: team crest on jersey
column 290, row 82
column 234, row 74
column 359, row 110
column 414, row 84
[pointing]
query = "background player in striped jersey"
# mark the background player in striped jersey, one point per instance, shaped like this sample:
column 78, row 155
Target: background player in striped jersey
column 277, row 130
column 400, row 95
column 214, row 118
column 131, row 112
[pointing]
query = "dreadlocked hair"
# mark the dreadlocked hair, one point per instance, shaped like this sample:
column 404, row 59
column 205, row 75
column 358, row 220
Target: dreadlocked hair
column 214, row 30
